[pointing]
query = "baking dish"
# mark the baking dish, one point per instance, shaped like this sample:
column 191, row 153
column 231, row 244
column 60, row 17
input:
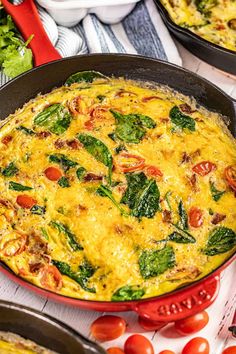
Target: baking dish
column 44, row 330
column 189, row 299
column 69, row 13
column 211, row 53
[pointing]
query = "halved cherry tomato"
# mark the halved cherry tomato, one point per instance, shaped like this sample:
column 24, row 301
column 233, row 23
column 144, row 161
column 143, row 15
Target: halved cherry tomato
column 78, row 106
column 204, row 167
column 98, row 111
column 197, row 345
column 138, row 344
column 166, row 352
column 15, row 246
column 195, row 217
column 230, row 350
column 115, row 350
column 25, row 201
column 51, row 278
column 150, row 325
column 53, row 173
column 129, row 162
column 192, row 324
column 153, row 171
column 108, row 327
column 230, row 176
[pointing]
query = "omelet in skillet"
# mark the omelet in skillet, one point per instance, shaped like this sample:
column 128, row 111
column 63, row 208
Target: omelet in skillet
column 115, row 190
column 213, row 20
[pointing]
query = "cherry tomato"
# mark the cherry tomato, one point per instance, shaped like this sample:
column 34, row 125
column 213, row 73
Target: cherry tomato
column 78, row 106
column 25, row 201
column 115, row 350
column 15, row 246
column 150, row 325
column 166, row 352
column 138, row 344
column 108, row 327
column 51, row 278
column 197, row 345
column 192, row 324
column 53, row 173
column 195, row 217
column 230, row 176
column 153, row 171
column 98, row 111
column 230, row 350
column 204, row 167
column 129, row 162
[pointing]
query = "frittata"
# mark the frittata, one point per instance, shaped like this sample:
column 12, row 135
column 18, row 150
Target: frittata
column 115, row 190
column 213, row 20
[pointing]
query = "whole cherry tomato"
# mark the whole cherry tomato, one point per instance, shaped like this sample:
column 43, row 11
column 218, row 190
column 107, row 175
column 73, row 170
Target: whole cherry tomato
column 108, row 327
column 115, row 350
column 204, row 167
column 192, row 324
column 150, row 325
column 230, row 350
column 138, row 344
column 166, row 352
column 230, row 176
column 197, row 345
column 195, row 217
column 53, row 173
column 25, row 201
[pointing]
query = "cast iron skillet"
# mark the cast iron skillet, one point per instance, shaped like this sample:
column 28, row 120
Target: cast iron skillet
column 222, row 58
column 44, row 330
column 186, row 300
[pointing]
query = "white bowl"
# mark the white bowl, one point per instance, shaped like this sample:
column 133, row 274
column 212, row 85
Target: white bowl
column 70, row 12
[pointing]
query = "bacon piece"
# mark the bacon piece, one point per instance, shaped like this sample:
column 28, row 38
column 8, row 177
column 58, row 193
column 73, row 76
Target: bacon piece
column 166, row 216
column 73, row 144
column 186, row 108
column 185, row 158
column 217, row 218
column 193, row 182
column 6, row 139
column 122, row 93
column 43, row 135
column 92, row 177
column 59, row 144
column 188, row 272
column 150, row 98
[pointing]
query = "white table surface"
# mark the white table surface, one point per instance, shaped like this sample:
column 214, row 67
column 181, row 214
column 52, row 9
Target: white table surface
column 222, row 309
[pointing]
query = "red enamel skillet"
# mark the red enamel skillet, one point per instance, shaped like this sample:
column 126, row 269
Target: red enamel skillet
column 184, row 301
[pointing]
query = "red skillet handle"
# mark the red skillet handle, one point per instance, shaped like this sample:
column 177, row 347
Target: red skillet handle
column 28, row 22
column 183, row 304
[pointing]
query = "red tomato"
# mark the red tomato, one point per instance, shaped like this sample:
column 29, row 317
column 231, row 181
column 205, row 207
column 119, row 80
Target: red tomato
column 15, row 246
column 25, row 201
column 6, row 139
column 129, row 162
column 197, row 345
column 153, row 171
column 150, row 325
column 78, row 106
column 89, row 124
column 115, row 350
column 51, row 278
column 192, row 324
column 138, row 344
column 230, row 176
column 53, row 173
column 230, row 350
column 204, row 167
column 195, row 217
column 108, row 327
column 166, row 352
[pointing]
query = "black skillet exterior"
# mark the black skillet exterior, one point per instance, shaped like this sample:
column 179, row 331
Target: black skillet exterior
column 44, row 330
column 215, row 55
column 44, row 78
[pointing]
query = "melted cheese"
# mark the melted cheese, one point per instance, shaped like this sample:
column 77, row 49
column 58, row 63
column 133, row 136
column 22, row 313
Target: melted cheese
column 111, row 241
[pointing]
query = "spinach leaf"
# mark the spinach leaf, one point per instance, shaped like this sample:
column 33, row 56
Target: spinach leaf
column 18, row 187
column 183, row 222
column 103, row 191
column 156, row 262
column 25, row 130
column 98, row 150
column 142, row 195
column 120, row 148
column 55, row 117
column 74, row 244
column 181, row 237
column 216, row 194
column 131, row 127
column 81, row 172
column 44, row 232
column 80, row 277
column 167, row 199
column 204, row 6
column 64, row 182
column 128, row 292
column 181, row 120
column 63, row 161
column 10, row 170
column 38, row 210
column 85, row 76
column 221, row 240
column 101, row 98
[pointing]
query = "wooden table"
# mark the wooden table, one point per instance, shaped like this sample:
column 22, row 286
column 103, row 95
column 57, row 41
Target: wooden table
column 81, row 320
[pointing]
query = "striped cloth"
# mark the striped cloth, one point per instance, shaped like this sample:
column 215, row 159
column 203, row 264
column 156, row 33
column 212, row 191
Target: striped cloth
column 141, row 32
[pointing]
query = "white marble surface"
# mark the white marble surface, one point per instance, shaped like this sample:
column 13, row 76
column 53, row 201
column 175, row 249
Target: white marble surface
column 220, row 312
